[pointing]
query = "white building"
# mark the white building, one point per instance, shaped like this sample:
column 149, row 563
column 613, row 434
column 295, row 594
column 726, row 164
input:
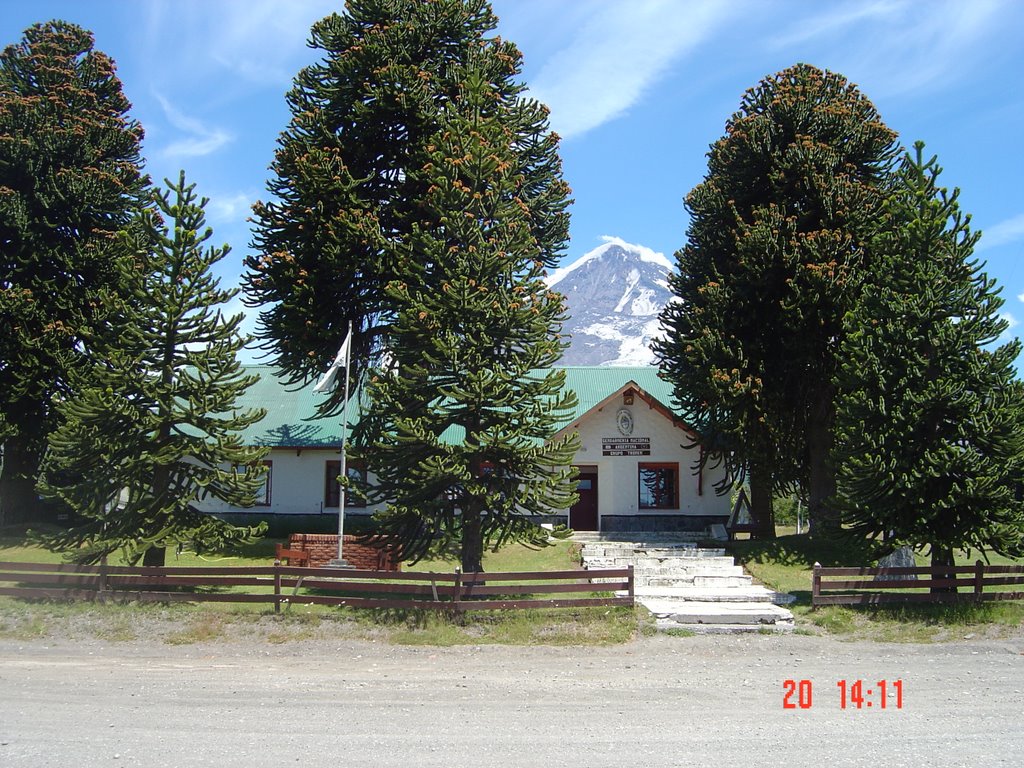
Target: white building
column 638, row 468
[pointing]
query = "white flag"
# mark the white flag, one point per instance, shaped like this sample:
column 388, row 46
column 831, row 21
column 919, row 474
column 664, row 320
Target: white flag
column 340, row 361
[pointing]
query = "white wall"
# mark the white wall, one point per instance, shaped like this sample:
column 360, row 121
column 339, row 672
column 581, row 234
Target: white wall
column 297, row 485
column 618, row 476
column 298, row 476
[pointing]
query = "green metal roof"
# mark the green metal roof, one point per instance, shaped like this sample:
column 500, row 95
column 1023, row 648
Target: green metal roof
column 594, row 384
column 291, row 420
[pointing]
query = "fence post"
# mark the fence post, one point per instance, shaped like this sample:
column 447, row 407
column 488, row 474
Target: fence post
column 815, row 585
column 103, row 579
column 277, row 586
column 458, row 590
column 979, row 580
column 629, row 588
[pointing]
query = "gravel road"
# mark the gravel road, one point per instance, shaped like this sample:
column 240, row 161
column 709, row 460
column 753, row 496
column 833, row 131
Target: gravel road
column 693, row 701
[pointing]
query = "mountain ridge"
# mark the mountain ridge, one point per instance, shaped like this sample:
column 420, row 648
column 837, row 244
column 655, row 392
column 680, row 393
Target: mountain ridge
column 614, row 295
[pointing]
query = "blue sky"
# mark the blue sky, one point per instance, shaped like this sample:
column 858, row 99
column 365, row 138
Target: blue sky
column 638, row 90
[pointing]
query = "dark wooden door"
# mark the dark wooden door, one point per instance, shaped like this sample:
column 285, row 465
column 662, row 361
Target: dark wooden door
column 583, row 515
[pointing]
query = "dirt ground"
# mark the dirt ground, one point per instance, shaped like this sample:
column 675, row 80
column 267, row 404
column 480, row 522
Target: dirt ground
column 659, row 700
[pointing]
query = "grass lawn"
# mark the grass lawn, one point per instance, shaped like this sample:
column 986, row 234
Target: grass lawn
column 786, row 563
column 186, row 624
column 560, row 556
column 19, row 550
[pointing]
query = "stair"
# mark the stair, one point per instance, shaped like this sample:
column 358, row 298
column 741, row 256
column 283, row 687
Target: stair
column 688, row 587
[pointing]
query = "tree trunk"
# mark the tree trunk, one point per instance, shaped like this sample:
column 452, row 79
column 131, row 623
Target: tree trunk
column 762, row 512
column 822, row 517
column 155, row 557
column 19, row 502
column 472, row 524
column 472, row 542
column 943, row 556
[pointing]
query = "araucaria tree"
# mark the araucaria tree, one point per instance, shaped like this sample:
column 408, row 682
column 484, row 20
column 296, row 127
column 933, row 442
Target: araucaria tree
column 460, row 419
column 930, row 446
column 777, row 252
column 384, row 218
column 344, row 182
column 69, row 178
column 155, row 428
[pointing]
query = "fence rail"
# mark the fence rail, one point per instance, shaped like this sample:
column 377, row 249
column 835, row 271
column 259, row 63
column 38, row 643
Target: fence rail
column 284, row 584
column 885, row 585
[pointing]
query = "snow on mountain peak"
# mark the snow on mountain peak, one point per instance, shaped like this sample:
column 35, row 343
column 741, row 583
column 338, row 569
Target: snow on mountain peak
column 643, row 252
column 614, row 296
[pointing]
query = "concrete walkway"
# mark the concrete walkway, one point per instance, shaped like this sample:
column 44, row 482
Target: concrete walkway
column 688, row 587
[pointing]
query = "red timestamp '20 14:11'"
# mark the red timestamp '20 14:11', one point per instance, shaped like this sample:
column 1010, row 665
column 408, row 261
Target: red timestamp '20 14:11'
column 854, row 692
column 799, row 694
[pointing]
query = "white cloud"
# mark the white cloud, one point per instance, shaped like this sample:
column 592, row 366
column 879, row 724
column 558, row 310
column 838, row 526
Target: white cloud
column 259, row 39
column 262, row 41
column 250, row 316
column 1011, row 323
column 1004, row 232
column 617, row 54
column 230, row 208
column 202, row 140
column 837, row 17
column 891, row 45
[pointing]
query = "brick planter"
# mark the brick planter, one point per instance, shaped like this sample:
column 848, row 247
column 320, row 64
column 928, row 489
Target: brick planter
column 323, row 547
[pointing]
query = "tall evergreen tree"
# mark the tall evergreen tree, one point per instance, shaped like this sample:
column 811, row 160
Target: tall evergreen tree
column 930, row 445
column 70, row 174
column 776, row 255
column 156, row 427
column 462, row 415
column 345, row 192
column 356, row 235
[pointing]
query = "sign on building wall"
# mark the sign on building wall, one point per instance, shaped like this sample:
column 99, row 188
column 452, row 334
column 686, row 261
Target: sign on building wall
column 626, row 446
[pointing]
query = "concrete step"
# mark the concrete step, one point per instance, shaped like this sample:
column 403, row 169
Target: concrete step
column 716, row 572
column 755, row 593
column 722, row 565
column 731, row 613
column 662, row 582
column 670, row 562
column 693, row 589
column 604, row 550
column 688, row 537
column 635, row 557
column 714, row 580
column 698, row 581
column 667, row 626
column 719, row 617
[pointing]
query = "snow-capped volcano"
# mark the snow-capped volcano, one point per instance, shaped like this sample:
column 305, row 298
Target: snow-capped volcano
column 614, row 294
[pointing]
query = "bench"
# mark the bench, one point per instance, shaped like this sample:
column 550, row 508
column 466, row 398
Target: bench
column 296, row 557
column 732, row 530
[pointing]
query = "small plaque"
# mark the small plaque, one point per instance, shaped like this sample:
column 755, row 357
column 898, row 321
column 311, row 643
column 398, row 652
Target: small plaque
column 626, row 446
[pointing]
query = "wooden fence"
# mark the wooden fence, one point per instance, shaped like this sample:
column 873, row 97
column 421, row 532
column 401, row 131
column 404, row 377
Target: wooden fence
column 885, row 585
column 282, row 584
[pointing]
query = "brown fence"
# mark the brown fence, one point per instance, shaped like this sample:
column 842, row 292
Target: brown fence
column 281, row 584
column 904, row 585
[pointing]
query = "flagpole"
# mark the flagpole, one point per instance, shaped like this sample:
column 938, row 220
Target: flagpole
column 343, row 477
